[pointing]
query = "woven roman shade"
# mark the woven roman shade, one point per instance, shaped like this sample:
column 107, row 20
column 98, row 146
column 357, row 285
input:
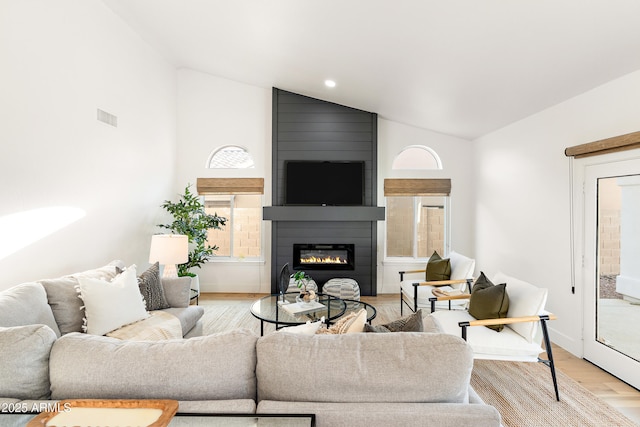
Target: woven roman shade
column 230, row 186
column 417, row 187
column 610, row 145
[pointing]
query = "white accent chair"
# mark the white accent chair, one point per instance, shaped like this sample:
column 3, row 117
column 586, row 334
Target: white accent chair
column 417, row 294
column 521, row 338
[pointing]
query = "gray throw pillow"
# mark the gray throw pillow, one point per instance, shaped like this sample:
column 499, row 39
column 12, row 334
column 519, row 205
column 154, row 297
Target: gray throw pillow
column 151, row 288
column 411, row 323
column 489, row 301
column 24, row 356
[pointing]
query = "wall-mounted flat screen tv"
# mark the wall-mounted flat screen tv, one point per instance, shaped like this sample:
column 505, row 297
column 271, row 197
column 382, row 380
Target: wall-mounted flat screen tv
column 315, row 183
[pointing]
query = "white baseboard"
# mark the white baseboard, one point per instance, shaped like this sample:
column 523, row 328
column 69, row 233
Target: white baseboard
column 572, row 345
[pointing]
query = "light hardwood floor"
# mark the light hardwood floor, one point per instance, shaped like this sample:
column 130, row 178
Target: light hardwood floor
column 615, row 392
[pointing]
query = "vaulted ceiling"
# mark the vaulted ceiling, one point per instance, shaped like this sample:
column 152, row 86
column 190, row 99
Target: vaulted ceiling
column 459, row 67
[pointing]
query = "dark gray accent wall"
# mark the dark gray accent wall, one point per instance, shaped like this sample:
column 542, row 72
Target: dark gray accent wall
column 311, row 129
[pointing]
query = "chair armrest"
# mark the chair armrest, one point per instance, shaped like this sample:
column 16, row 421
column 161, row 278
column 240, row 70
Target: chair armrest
column 402, row 273
column 434, row 298
column 449, row 297
column 440, row 282
column 508, row 320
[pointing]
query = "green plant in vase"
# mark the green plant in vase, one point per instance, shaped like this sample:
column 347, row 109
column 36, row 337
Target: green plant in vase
column 191, row 219
column 301, row 279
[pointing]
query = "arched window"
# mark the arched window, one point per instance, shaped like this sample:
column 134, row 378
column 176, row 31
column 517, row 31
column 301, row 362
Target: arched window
column 230, row 157
column 416, row 157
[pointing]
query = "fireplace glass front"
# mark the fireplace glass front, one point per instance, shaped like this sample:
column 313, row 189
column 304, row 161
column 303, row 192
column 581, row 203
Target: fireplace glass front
column 332, row 256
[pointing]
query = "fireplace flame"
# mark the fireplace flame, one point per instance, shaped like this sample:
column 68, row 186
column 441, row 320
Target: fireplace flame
column 325, row 260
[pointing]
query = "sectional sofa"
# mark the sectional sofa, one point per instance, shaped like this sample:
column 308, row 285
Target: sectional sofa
column 360, row 379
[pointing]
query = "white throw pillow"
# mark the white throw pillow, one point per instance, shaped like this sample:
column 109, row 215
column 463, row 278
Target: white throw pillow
column 110, row 305
column 309, row 328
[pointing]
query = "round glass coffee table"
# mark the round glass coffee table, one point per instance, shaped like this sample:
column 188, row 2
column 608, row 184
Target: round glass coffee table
column 271, row 309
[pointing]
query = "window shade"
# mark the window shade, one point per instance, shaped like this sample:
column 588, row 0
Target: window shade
column 230, row 186
column 417, row 187
column 604, row 146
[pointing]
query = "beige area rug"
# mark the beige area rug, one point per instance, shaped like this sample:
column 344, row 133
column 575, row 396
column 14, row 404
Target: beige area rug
column 522, row 392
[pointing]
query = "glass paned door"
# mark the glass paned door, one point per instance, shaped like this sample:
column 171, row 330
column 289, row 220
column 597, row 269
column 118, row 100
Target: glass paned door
column 612, row 273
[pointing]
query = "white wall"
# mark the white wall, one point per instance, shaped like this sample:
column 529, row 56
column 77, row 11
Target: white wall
column 523, row 194
column 457, row 164
column 213, row 112
column 60, row 62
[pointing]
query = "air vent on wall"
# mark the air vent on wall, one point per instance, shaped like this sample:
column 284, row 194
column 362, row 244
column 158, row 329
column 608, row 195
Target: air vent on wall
column 107, row 118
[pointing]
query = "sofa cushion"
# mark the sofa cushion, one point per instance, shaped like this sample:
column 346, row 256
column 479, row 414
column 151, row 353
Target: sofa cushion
column 177, row 291
column 24, row 357
column 212, row 367
column 489, row 301
column 151, row 288
column 188, row 316
column 26, row 304
column 393, row 367
column 438, row 268
column 110, row 305
column 63, row 298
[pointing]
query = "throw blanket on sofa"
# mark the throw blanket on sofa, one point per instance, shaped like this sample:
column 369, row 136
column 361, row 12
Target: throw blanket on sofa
column 158, row 326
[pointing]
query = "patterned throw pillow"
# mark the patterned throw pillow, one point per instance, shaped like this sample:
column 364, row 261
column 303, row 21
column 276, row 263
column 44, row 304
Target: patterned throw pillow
column 351, row 323
column 412, row 323
column 438, row 268
column 489, row 301
column 150, row 285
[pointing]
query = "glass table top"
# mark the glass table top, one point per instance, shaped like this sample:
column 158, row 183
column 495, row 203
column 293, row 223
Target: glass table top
column 270, row 309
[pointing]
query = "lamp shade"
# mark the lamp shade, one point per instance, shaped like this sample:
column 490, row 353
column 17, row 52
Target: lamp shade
column 169, row 249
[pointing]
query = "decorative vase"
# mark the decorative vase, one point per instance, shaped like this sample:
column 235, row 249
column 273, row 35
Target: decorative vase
column 306, row 298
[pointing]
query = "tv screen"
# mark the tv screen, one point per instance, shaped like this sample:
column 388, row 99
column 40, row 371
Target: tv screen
column 310, row 183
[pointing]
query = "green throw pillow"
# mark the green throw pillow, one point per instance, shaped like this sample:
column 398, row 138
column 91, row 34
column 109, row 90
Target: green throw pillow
column 438, row 268
column 489, row 301
column 412, row 323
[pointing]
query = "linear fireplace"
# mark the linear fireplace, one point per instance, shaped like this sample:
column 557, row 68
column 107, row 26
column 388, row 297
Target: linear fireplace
column 323, row 256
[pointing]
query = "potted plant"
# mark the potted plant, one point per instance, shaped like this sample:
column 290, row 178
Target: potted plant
column 301, row 279
column 190, row 219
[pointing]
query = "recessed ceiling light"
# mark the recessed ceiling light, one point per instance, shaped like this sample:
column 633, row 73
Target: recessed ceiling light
column 329, row 83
